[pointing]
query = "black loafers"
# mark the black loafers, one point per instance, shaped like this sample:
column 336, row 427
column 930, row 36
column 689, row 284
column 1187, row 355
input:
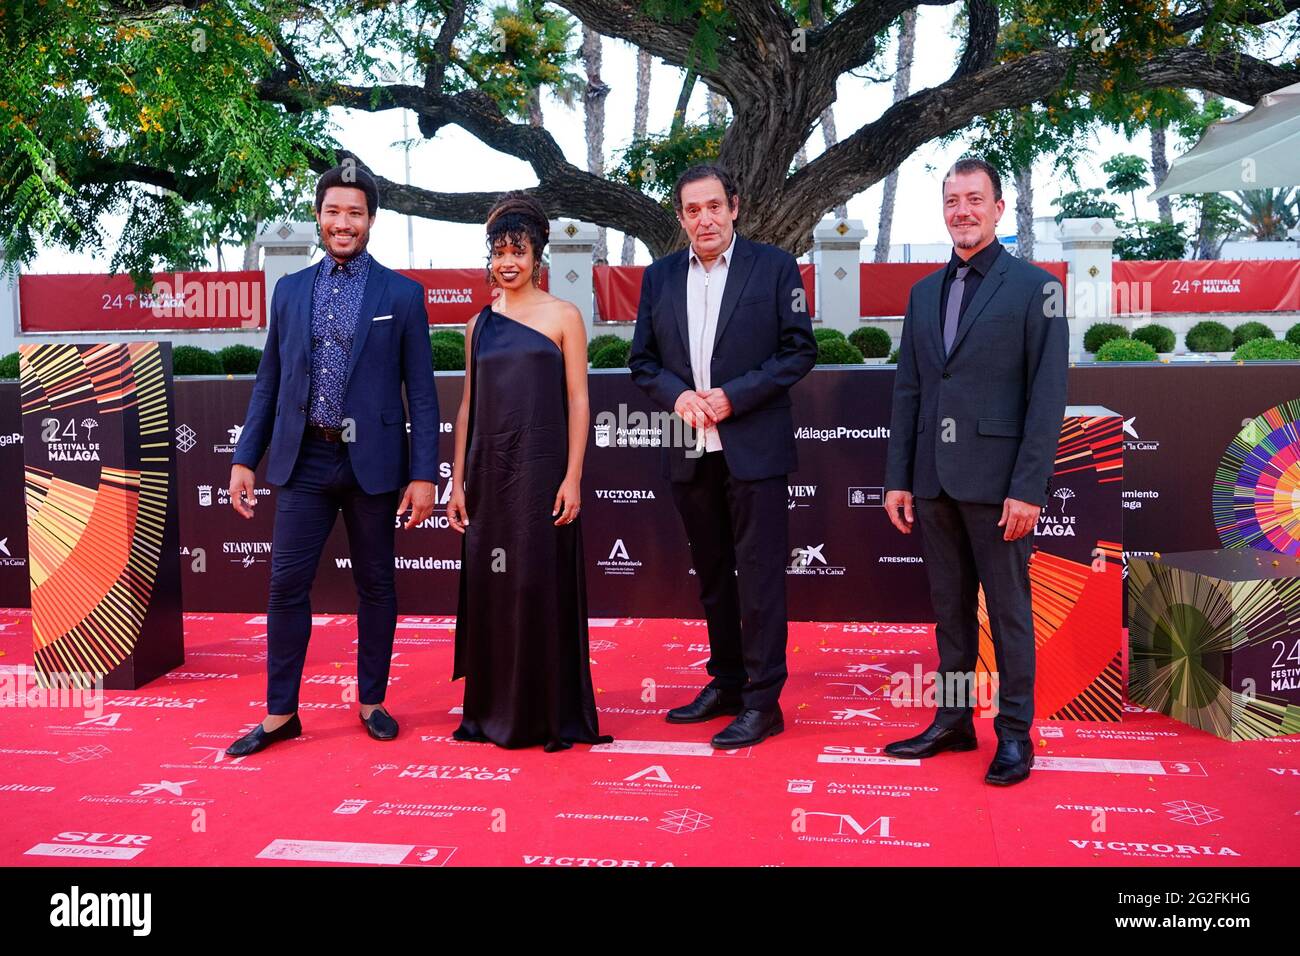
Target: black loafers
column 751, row 727
column 1011, row 763
column 709, row 703
column 934, row 740
column 259, row 739
column 380, row 725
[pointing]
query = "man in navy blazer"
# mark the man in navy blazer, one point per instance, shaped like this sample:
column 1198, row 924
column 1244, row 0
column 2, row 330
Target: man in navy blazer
column 978, row 401
column 344, row 336
column 722, row 333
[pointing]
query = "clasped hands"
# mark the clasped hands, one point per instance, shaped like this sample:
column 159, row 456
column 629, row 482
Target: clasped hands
column 703, row 408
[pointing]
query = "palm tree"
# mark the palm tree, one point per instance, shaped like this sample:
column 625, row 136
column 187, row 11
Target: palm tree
column 640, row 118
column 593, row 100
column 1025, row 212
column 902, row 80
column 1267, row 213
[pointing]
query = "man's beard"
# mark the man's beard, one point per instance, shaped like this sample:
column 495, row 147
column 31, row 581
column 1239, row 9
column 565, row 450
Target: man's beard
column 361, row 240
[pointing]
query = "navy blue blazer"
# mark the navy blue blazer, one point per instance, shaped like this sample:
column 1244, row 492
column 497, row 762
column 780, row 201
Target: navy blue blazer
column 390, row 347
column 983, row 422
column 764, row 344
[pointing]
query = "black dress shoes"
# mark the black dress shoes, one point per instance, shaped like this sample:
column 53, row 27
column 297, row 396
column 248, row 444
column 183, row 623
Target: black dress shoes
column 380, row 725
column 935, row 739
column 709, row 703
column 257, row 738
column 1011, row 763
column 751, row 727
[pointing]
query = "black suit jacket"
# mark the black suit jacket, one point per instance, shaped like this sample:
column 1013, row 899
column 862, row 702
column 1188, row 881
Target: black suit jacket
column 764, row 344
column 984, row 422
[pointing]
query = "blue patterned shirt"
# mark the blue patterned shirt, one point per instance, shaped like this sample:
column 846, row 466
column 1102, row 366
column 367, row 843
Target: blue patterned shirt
column 335, row 305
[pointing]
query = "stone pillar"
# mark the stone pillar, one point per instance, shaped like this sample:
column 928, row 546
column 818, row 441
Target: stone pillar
column 570, row 272
column 837, row 247
column 1087, row 246
column 288, row 247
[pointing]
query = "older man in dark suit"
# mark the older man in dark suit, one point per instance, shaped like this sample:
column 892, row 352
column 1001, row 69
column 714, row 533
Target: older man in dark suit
column 722, row 333
column 978, row 401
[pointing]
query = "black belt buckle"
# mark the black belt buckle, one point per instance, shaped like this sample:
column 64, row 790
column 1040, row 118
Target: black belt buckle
column 325, row 434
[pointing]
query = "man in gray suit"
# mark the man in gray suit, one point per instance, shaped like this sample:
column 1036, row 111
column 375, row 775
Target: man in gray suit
column 978, row 402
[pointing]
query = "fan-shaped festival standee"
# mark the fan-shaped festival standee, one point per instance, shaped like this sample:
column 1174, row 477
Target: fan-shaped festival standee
column 100, row 477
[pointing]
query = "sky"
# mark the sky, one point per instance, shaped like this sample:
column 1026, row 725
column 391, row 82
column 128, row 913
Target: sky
column 454, row 160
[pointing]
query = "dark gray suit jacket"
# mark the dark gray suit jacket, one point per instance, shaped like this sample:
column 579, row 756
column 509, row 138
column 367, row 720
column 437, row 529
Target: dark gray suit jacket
column 764, row 344
column 984, row 422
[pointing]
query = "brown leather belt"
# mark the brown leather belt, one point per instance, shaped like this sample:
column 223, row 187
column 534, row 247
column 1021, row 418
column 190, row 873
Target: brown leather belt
column 325, row 434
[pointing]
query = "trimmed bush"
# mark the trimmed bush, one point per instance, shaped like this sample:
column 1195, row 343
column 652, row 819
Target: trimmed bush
column 1099, row 333
column 1159, row 337
column 871, row 341
column 1126, row 350
column 1250, row 330
column 9, row 365
column 192, row 360
column 447, row 356
column 1209, row 336
column 1267, row 350
column 612, row 355
column 450, row 336
column 1293, row 334
column 837, row 351
column 893, row 357
column 239, row 359
column 823, row 335
column 597, row 343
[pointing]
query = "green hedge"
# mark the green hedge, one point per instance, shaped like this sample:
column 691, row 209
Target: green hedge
column 1250, row 330
column 1267, row 350
column 1209, row 336
column 1100, row 333
column 1159, row 337
column 893, row 357
column 599, row 342
column 836, row 351
column 9, row 365
column 1126, row 350
column 447, row 357
column 239, row 359
column 192, row 360
column 1293, row 334
column 612, row 355
column 871, row 341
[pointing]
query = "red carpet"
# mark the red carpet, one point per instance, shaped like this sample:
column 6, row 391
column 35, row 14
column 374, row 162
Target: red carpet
column 147, row 783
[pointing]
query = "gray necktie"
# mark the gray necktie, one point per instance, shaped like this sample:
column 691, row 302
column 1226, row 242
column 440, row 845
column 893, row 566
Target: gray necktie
column 953, row 311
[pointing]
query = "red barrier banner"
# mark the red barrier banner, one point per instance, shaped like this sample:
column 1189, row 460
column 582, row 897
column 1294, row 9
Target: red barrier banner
column 886, row 285
column 618, row 291
column 88, row 302
column 454, row 296
column 1266, row 285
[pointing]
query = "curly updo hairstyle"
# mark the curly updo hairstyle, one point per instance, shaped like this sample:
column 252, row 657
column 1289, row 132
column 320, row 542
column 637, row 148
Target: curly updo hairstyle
column 517, row 215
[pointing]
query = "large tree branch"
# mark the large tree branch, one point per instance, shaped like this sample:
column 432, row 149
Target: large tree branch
column 874, row 150
column 571, row 193
column 848, row 41
column 1257, row 17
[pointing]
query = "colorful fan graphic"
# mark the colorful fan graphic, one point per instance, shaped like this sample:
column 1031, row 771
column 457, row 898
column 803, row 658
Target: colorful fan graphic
column 1075, row 579
column 97, row 483
column 1213, row 652
column 1256, row 496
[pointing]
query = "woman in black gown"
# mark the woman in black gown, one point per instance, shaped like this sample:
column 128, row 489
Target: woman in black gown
column 521, row 621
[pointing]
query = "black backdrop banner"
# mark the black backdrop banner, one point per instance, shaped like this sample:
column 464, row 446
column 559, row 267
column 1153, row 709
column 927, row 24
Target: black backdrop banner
column 1177, row 422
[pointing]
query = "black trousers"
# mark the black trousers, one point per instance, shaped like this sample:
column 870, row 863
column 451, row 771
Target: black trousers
column 322, row 485
column 963, row 549
column 739, row 544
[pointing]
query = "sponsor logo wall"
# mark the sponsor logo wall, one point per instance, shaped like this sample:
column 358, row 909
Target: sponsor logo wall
column 846, row 562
